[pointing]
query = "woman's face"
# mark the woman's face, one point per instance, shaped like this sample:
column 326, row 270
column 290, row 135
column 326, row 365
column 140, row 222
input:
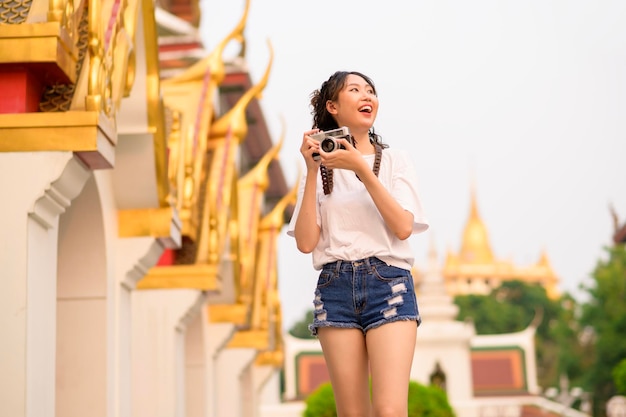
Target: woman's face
column 356, row 106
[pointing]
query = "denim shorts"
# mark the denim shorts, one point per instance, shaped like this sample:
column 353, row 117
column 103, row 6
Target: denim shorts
column 363, row 294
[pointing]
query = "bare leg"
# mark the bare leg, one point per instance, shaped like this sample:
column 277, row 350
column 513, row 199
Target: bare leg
column 346, row 359
column 391, row 348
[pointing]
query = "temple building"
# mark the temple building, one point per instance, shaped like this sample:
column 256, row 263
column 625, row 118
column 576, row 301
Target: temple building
column 476, row 270
column 142, row 201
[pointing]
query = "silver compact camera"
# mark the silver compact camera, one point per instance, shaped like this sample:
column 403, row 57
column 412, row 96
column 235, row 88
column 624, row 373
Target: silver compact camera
column 328, row 140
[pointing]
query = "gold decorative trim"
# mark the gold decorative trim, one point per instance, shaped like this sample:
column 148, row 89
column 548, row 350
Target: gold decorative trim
column 42, row 43
column 255, row 339
column 161, row 223
column 90, row 135
column 58, row 96
column 156, row 113
column 195, row 277
column 274, row 358
column 229, row 313
column 14, row 12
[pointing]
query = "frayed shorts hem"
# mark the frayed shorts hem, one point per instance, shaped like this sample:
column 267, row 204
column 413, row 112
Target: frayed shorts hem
column 341, row 325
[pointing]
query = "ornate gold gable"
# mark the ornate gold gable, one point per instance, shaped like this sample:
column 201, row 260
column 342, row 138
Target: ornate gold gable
column 80, row 52
column 189, row 98
column 162, row 222
column 75, row 62
column 265, row 327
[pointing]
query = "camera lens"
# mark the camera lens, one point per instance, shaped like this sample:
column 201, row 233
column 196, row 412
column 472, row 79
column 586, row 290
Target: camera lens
column 328, row 144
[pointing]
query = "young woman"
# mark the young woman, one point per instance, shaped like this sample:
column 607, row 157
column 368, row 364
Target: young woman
column 356, row 208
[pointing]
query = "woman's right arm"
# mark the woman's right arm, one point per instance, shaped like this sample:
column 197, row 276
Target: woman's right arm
column 306, row 230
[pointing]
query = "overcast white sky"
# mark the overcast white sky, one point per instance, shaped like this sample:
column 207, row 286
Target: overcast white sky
column 525, row 99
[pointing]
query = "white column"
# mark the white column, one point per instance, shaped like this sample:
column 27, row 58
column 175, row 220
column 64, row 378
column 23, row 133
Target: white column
column 135, row 256
column 35, row 188
column 232, row 381
column 216, row 336
column 261, row 376
column 156, row 350
column 446, row 344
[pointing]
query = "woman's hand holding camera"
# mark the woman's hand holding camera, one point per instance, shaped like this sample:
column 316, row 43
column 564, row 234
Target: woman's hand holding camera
column 310, row 150
column 346, row 157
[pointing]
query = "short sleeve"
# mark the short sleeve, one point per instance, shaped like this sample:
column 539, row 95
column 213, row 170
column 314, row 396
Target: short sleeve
column 405, row 190
column 292, row 223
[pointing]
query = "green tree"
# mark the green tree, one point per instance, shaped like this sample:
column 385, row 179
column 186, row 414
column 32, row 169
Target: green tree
column 605, row 314
column 301, row 328
column 566, row 345
column 490, row 316
column 514, row 306
column 619, row 377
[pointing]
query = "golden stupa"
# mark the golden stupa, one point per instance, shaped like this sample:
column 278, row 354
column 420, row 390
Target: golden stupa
column 475, row 269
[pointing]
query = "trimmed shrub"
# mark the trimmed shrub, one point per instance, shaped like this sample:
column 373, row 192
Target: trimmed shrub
column 321, row 402
column 424, row 401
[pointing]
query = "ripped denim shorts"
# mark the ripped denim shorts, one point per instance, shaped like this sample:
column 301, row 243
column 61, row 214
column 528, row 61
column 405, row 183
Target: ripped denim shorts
column 363, row 294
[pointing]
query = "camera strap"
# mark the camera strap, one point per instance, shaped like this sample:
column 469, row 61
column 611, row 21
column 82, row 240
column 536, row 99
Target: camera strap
column 327, row 174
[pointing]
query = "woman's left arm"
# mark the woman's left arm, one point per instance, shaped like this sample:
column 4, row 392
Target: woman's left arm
column 399, row 220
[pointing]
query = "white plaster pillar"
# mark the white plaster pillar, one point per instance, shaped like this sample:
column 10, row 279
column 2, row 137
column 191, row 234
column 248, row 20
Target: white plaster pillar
column 35, row 188
column 233, row 384
column 270, row 402
column 261, row 376
column 158, row 350
column 216, row 337
column 449, row 345
column 530, row 360
column 135, row 256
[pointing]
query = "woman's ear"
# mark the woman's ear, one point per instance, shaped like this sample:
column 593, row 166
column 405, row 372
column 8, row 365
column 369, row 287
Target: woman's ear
column 331, row 107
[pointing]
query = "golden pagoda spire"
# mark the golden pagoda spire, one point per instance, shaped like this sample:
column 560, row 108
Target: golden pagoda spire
column 475, row 247
column 543, row 260
column 476, row 271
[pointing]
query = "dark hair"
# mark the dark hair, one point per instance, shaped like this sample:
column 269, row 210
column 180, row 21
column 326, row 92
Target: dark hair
column 330, row 89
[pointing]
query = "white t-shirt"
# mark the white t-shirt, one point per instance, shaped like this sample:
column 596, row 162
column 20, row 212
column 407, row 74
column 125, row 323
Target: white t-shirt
column 351, row 228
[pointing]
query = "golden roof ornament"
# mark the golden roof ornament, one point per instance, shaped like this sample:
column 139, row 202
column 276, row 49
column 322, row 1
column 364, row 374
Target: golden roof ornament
column 258, row 175
column 266, row 285
column 213, row 64
column 266, row 309
column 192, row 89
column 234, row 120
column 251, row 188
column 226, row 134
